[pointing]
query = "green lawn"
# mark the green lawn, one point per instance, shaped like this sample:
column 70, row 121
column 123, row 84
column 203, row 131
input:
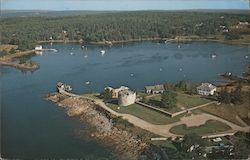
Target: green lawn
column 183, row 100
column 210, row 126
column 189, row 101
column 144, row 113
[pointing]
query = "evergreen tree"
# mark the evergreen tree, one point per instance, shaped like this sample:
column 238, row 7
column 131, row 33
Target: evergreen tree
column 236, row 95
column 107, row 94
column 224, row 96
column 168, row 99
column 12, row 51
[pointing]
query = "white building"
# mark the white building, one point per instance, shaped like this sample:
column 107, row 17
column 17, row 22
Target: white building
column 126, row 97
column 38, row 48
column 206, row 89
column 154, row 89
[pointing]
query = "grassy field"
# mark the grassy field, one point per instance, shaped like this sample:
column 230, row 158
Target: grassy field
column 184, row 101
column 210, row 126
column 146, row 114
column 229, row 112
column 189, row 101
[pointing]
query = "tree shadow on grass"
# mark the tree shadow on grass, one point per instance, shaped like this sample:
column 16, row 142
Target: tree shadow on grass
column 155, row 103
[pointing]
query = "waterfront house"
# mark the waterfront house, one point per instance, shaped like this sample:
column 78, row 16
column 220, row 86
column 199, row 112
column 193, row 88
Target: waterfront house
column 206, row 89
column 126, row 97
column 38, row 48
column 154, row 89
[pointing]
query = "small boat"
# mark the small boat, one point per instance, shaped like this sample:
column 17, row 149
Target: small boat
column 246, row 57
column 53, row 50
column 71, row 53
column 102, row 52
column 83, row 47
column 160, row 69
column 86, row 56
column 180, row 69
column 213, row 56
column 131, row 74
column 87, row 82
column 179, row 46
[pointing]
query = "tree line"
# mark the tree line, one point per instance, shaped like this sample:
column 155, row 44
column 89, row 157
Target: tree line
column 27, row 31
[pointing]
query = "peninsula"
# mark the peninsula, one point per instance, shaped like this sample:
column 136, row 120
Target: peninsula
column 195, row 112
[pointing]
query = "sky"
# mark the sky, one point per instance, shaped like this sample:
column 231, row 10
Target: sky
column 122, row 4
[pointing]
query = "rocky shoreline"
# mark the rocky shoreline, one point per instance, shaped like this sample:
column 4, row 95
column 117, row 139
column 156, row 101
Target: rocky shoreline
column 123, row 142
column 29, row 65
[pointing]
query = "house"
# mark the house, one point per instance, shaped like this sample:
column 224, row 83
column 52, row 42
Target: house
column 154, row 89
column 63, row 86
column 242, row 25
column 218, row 139
column 206, row 89
column 199, row 25
column 225, row 30
column 38, row 48
column 115, row 91
column 64, row 32
column 126, row 97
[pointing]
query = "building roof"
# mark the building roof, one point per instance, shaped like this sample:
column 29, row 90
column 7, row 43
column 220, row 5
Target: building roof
column 243, row 23
column 206, row 87
column 59, row 84
column 109, row 88
column 155, row 87
column 120, row 88
column 126, row 92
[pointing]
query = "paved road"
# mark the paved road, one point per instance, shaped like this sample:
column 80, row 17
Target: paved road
column 164, row 130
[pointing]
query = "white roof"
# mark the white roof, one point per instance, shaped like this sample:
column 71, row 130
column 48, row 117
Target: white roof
column 206, row 86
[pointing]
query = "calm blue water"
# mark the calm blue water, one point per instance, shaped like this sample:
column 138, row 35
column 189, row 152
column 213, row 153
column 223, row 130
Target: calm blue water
column 32, row 127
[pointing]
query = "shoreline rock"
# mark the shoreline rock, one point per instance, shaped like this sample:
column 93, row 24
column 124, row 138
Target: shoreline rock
column 123, row 142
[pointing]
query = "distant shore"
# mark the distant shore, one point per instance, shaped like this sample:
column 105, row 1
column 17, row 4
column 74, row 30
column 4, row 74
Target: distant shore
column 181, row 39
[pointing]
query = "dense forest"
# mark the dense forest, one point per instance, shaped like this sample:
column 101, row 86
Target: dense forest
column 27, row 31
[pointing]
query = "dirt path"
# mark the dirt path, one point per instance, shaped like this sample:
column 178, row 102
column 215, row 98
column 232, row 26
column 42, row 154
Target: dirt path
column 164, row 130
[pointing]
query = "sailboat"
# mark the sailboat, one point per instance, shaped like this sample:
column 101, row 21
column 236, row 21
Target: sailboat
column 102, row 52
